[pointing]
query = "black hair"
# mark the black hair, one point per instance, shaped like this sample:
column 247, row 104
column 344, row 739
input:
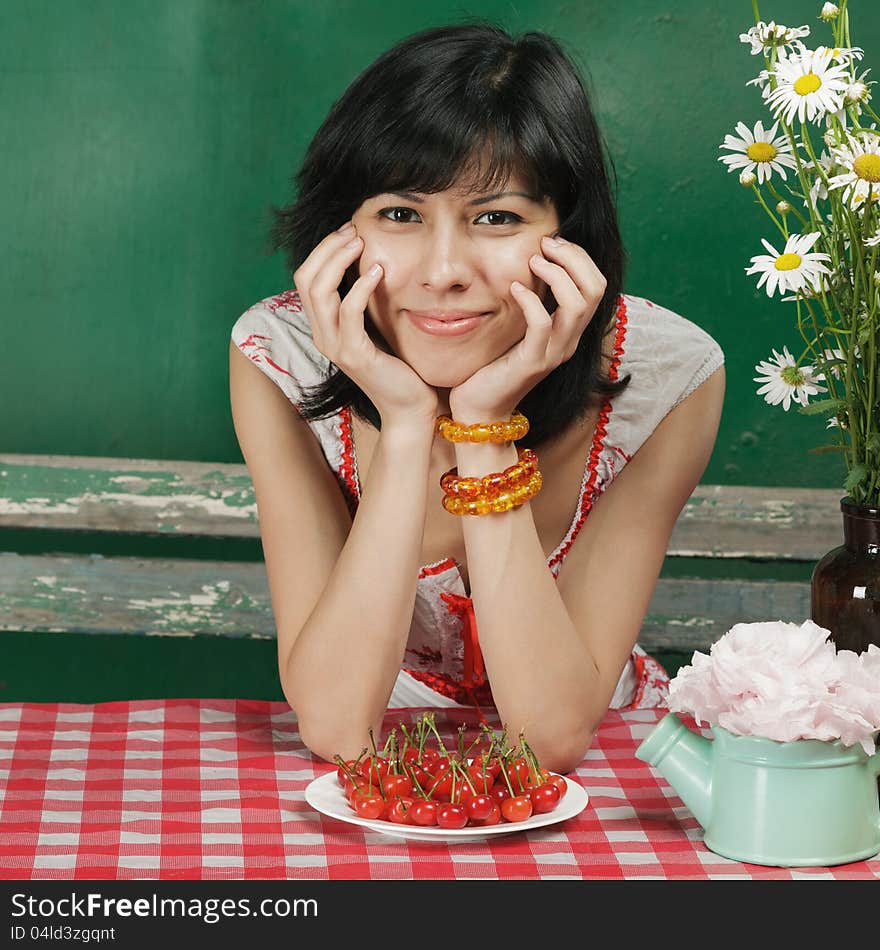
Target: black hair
column 466, row 101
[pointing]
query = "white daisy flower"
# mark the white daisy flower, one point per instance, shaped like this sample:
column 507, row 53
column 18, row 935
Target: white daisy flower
column 783, row 381
column 858, row 91
column 761, row 79
column 794, row 268
column 859, row 160
column 839, row 357
column 843, row 55
column 818, row 191
column 829, row 137
column 812, row 291
column 758, row 149
column 763, row 37
column 808, row 86
column 829, row 11
column 873, row 240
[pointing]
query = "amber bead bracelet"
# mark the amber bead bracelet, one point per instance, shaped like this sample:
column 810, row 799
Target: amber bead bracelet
column 497, row 491
column 499, row 502
column 498, row 432
column 454, row 484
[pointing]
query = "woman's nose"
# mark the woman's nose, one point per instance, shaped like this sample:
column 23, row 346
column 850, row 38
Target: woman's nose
column 446, row 260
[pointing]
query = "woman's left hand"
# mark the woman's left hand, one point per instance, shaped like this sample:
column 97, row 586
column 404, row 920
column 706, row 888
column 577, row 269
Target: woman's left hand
column 495, row 390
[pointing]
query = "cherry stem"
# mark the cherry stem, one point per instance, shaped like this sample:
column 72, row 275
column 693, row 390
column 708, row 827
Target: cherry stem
column 506, row 777
column 464, row 774
column 429, row 717
column 415, row 781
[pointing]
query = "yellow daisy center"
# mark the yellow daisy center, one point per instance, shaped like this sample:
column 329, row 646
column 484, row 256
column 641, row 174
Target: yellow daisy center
column 761, row 152
column 792, row 375
column 806, row 84
column 788, row 261
column 867, row 167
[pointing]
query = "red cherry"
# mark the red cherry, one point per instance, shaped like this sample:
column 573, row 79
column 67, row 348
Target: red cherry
column 480, row 807
column 544, row 798
column 424, row 812
column 451, row 815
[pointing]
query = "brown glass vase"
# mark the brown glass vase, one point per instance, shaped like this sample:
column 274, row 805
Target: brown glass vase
column 845, row 585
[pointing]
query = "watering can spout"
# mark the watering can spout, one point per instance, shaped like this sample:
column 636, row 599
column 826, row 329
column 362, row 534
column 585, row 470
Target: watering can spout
column 684, row 759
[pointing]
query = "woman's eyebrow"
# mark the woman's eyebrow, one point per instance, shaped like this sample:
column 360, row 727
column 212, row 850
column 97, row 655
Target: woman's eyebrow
column 415, row 199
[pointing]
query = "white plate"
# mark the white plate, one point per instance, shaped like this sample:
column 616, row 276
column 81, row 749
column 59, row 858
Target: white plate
column 325, row 795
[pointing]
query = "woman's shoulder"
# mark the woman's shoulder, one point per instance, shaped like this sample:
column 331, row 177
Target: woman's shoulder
column 666, row 354
column 650, row 325
column 274, row 333
column 666, row 357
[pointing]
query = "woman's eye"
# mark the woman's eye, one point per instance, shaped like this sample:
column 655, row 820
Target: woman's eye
column 411, row 216
column 506, row 217
column 400, row 215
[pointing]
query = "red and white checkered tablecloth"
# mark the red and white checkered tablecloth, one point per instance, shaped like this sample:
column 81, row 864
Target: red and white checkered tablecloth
column 213, row 789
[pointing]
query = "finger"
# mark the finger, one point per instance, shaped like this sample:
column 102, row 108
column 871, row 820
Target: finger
column 587, row 277
column 312, row 266
column 574, row 310
column 322, row 298
column 571, row 303
column 325, row 284
column 539, row 325
column 352, row 334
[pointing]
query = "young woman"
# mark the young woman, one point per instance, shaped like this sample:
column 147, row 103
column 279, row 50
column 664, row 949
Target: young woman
column 455, row 252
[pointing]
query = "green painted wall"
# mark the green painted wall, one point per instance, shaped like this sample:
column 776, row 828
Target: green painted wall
column 145, row 140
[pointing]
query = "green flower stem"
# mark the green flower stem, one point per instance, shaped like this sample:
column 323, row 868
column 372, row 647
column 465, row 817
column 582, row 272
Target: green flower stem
column 814, row 356
column 872, row 364
column 769, row 212
column 818, row 225
column 870, row 369
column 779, row 197
column 808, row 145
column 802, row 174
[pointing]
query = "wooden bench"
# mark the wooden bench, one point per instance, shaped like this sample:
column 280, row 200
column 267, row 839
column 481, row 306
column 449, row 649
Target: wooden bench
column 721, row 529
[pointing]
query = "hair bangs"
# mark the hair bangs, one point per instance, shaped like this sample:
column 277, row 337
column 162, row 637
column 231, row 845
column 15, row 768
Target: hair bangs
column 436, row 148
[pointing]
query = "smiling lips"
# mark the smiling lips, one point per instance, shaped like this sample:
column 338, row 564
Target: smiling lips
column 446, row 322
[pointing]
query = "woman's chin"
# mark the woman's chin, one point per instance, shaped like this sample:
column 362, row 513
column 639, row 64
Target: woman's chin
column 442, row 377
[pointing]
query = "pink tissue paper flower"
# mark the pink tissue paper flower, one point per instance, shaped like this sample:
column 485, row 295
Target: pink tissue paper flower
column 783, row 681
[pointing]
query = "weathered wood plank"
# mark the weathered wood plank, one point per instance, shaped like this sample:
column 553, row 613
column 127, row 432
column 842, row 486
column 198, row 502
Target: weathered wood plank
column 198, row 498
column 133, row 495
column 688, row 614
column 174, row 597
column 735, row 521
column 178, row 597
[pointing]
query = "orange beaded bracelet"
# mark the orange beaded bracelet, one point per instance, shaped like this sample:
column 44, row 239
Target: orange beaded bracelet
column 454, row 484
column 499, row 502
column 495, row 492
column 498, row 432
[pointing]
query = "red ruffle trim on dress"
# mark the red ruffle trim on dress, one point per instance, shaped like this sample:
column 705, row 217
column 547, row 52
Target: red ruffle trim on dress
column 452, row 689
column 586, row 501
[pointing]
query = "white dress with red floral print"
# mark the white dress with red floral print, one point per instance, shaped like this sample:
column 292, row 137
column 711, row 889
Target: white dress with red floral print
column 667, row 356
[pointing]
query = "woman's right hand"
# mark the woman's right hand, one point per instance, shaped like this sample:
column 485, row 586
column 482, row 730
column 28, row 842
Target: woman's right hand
column 394, row 388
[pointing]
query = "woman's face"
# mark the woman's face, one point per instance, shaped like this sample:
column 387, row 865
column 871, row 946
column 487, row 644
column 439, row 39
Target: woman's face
column 452, row 255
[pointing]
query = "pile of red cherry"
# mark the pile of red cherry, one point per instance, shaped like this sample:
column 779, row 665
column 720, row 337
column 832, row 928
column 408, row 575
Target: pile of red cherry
column 420, row 782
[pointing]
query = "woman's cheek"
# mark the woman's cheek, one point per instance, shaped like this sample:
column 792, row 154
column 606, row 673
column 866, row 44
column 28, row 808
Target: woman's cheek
column 376, row 251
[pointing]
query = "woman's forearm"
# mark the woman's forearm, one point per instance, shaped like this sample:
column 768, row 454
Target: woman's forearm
column 543, row 677
column 345, row 660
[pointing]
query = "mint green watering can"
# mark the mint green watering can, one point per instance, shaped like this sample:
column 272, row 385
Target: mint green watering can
column 788, row 804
